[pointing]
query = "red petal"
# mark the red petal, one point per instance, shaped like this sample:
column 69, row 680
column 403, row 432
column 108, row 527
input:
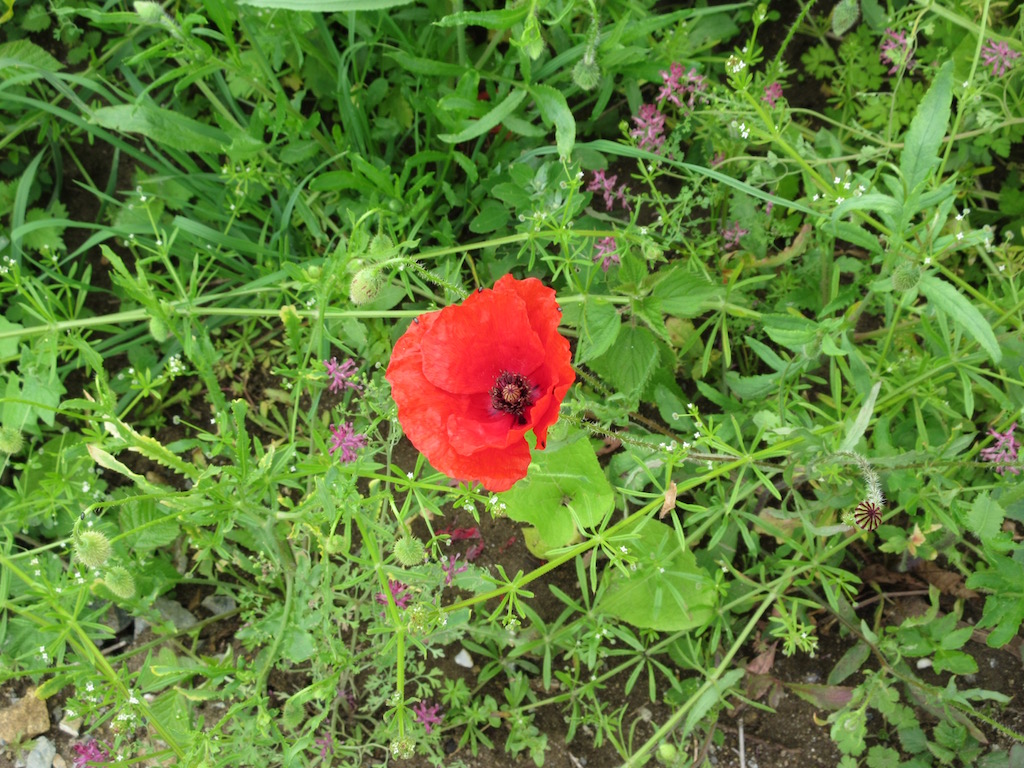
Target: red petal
column 470, row 345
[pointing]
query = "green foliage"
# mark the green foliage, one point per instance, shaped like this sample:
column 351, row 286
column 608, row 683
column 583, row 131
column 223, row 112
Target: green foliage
column 814, row 306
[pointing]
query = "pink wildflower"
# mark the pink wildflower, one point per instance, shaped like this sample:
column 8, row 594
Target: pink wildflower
column 90, row 754
column 428, row 716
column 731, row 236
column 999, row 56
column 399, row 593
column 897, row 51
column 718, row 159
column 650, row 127
column 344, row 439
column 606, row 253
column 772, row 93
column 606, row 186
column 681, row 86
column 450, row 570
column 1004, row 452
column 340, row 375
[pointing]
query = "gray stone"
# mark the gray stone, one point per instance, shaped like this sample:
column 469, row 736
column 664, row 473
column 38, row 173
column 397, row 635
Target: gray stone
column 42, row 754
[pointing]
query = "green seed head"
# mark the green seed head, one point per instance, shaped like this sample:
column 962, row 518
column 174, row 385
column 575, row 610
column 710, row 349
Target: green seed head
column 92, row 548
column 11, row 440
column 409, row 551
column 119, row 581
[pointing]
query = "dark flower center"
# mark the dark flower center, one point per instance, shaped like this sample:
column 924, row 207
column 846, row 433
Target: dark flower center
column 512, row 393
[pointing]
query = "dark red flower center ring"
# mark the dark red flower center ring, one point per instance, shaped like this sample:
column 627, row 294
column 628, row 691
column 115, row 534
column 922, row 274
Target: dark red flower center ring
column 472, row 379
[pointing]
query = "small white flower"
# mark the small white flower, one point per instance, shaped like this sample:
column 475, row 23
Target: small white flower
column 959, row 235
column 836, row 180
column 927, row 260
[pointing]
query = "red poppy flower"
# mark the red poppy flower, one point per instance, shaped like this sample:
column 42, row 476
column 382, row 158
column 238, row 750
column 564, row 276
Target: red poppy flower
column 471, row 380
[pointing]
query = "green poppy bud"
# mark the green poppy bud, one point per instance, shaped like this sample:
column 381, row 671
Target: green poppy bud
column 409, row 551
column 587, row 73
column 119, row 581
column 365, row 286
column 158, row 329
column 905, row 277
column 11, row 440
column 92, row 548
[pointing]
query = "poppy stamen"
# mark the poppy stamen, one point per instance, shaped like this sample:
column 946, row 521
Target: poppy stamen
column 512, row 393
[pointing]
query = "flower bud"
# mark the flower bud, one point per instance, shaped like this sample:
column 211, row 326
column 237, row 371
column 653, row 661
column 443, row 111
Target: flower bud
column 92, row 548
column 119, row 581
column 365, row 286
column 905, row 277
column 381, row 246
column 11, row 440
column 587, row 73
column 409, row 551
column 158, row 329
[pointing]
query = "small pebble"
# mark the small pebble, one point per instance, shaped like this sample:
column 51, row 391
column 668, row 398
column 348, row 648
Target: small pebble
column 463, row 659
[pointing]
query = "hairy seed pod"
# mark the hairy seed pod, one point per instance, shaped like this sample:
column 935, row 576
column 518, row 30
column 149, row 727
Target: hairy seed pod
column 11, row 440
column 587, row 73
column 92, row 548
column 119, row 581
column 365, row 286
column 409, row 551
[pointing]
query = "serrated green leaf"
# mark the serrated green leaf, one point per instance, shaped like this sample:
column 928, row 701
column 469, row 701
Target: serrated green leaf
column 791, row 331
column 145, row 526
column 962, row 312
column 957, row 662
column 492, row 216
column 985, row 517
column 923, row 138
column 26, row 56
column 630, row 363
column 685, row 294
column 599, row 326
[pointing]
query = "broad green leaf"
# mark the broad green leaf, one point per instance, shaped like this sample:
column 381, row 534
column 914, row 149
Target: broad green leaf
column 599, row 326
column 923, row 138
column 957, row 662
column 962, row 312
column 9, row 335
column 26, row 56
column 490, row 120
column 886, row 206
column 629, row 364
column 554, row 109
column 163, row 126
column 145, row 525
column 850, row 663
column 985, row 517
column 667, row 590
column 791, row 331
column 565, row 484
column 327, row 6
column 492, row 216
column 686, row 294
